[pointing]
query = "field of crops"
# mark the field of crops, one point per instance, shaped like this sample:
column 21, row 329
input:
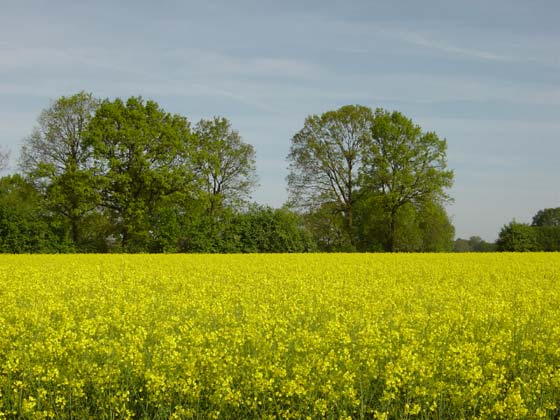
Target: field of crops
column 280, row 336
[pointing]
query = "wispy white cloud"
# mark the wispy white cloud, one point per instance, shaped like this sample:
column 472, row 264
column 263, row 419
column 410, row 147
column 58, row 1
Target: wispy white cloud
column 425, row 42
column 216, row 62
column 54, row 71
column 478, row 46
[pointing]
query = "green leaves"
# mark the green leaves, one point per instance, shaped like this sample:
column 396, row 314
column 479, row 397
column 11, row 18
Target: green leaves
column 542, row 235
column 224, row 163
column 141, row 154
column 343, row 158
column 25, row 223
column 517, row 237
column 57, row 159
column 128, row 176
column 547, row 217
column 404, row 165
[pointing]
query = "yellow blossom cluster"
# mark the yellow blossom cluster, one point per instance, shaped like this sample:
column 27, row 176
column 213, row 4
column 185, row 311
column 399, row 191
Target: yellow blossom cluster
column 317, row 336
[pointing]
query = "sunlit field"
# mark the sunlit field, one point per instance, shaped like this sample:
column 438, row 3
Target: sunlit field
column 280, row 336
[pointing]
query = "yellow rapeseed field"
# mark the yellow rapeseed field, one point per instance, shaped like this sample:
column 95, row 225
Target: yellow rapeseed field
column 339, row 336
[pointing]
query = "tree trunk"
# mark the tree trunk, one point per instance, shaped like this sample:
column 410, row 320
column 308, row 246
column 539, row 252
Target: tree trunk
column 392, row 230
column 75, row 231
column 124, row 240
column 350, row 223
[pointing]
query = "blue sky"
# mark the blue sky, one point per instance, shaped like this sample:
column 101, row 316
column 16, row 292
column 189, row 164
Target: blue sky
column 483, row 74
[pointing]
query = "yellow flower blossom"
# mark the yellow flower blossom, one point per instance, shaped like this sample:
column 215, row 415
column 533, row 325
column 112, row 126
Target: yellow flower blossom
column 349, row 336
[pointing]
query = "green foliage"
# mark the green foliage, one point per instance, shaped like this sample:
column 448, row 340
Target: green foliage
column 141, row 156
column 258, row 229
column 329, row 229
column 546, row 224
column 264, row 229
column 209, row 233
column 486, row 247
column 25, row 226
column 517, row 237
column 547, row 217
column 436, row 228
column 224, row 162
column 56, row 158
column 325, row 158
column 462, row 245
column 473, row 244
column 426, row 228
column 542, row 235
column 126, row 176
column 404, row 165
column 371, row 181
column 548, row 238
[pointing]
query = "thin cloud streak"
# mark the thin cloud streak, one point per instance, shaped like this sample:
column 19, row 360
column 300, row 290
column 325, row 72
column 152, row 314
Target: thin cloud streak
column 422, row 41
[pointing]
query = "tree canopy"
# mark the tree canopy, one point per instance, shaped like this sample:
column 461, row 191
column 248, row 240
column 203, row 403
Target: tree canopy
column 543, row 234
column 25, row 224
column 379, row 164
column 57, row 160
column 225, row 163
column 325, row 160
column 141, row 157
column 127, row 176
column 517, row 237
column 547, row 217
column 403, row 165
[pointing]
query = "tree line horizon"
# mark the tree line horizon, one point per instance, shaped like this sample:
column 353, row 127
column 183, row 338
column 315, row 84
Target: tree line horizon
column 126, row 176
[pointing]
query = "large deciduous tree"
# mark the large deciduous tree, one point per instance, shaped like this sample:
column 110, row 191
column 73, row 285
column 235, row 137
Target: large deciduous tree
column 367, row 174
column 56, row 158
column 143, row 157
column 225, row 170
column 403, row 165
column 225, row 163
column 324, row 163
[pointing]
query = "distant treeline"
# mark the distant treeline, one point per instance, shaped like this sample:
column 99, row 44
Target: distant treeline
column 543, row 234
column 126, row 176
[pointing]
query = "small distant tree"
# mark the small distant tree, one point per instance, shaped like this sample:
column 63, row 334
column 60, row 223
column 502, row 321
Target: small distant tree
column 462, row 245
column 547, row 217
column 547, row 225
column 480, row 245
column 517, row 237
column 473, row 244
